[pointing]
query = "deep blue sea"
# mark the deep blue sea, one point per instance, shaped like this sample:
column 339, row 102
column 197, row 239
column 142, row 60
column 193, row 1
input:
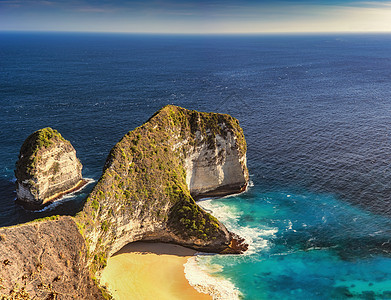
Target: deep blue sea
column 316, row 112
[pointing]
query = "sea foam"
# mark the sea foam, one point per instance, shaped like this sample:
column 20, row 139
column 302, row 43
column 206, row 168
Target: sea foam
column 230, row 216
column 65, row 198
column 203, row 282
column 198, row 269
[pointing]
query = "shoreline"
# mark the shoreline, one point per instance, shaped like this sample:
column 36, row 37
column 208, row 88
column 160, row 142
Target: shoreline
column 79, row 185
column 145, row 270
column 54, row 198
column 218, row 287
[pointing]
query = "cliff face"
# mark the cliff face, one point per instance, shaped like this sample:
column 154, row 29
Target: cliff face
column 149, row 176
column 47, row 167
column 216, row 163
column 145, row 193
column 45, row 260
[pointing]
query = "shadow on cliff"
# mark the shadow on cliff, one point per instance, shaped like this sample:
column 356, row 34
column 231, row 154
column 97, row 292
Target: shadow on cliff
column 156, row 248
column 12, row 213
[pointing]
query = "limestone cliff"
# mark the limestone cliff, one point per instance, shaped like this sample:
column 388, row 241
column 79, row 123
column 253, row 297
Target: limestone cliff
column 145, row 192
column 47, row 167
column 214, row 156
column 45, row 259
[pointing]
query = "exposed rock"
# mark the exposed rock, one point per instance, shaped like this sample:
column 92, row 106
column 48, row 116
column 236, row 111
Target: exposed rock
column 215, row 162
column 145, row 193
column 145, row 190
column 47, row 168
column 45, row 259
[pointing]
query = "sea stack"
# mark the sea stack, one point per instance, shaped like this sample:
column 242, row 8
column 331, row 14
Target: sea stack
column 47, row 169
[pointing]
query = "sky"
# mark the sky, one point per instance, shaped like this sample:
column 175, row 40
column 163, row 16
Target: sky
column 196, row 17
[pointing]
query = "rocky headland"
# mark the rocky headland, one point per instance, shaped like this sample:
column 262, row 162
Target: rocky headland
column 47, row 168
column 145, row 190
column 146, row 193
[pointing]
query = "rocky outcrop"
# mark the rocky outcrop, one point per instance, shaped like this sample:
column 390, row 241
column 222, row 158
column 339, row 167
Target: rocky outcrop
column 47, row 168
column 216, row 164
column 145, row 192
column 45, row 259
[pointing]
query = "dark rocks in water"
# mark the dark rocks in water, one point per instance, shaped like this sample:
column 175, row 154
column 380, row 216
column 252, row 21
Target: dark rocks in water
column 47, row 169
column 237, row 245
column 341, row 292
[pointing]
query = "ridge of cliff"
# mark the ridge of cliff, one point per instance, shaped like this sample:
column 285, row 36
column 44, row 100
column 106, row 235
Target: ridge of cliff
column 47, row 168
column 151, row 176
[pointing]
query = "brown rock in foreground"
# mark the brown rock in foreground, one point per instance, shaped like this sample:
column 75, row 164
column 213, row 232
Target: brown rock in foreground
column 45, row 259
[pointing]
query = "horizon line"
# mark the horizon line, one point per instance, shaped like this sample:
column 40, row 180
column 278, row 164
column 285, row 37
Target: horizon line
column 199, row 33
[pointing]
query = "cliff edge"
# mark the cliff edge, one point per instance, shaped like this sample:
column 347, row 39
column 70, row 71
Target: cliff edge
column 45, row 259
column 149, row 180
column 46, row 169
column 146, row 192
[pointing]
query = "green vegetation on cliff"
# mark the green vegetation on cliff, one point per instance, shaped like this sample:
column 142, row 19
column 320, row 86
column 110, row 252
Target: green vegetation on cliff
column 207, row 124
column 144, row 182
column 141, row 195
column 47, row 168
column 30, row 151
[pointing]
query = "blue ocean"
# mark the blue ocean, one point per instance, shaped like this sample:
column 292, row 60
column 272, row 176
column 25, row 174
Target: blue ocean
column 316, row 113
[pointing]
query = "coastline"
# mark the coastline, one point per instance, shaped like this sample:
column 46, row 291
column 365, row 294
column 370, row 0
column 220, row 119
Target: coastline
column 56, row 197
column 79, row 185
column 143, row 270
column 219, row 288
column 165, row 271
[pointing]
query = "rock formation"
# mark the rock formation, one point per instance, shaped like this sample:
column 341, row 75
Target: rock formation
column 47, row 168
column 45, row 259
column 149, row 176
column 215, row 162
column 145, row 193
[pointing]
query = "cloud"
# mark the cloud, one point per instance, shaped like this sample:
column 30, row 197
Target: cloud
column 190, row 16
column 373, row 4
column 26, row 2
column 93, row 10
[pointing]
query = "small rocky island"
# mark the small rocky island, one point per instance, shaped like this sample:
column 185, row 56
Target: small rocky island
column 146, row 193
column 47, row 169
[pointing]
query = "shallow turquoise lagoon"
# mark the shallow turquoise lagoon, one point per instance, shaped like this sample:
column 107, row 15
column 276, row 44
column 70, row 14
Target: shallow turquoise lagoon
column 303, row 246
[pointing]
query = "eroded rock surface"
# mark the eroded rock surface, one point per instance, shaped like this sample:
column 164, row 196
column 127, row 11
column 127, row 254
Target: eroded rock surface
column 45, row 260
column 47, row 168
column 215, row 162
column 145, row 192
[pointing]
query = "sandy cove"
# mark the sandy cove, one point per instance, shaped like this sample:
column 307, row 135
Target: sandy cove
column 150, row 271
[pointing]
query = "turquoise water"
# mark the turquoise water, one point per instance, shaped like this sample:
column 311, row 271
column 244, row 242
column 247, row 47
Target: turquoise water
column 316, row 113
column 304, row 246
